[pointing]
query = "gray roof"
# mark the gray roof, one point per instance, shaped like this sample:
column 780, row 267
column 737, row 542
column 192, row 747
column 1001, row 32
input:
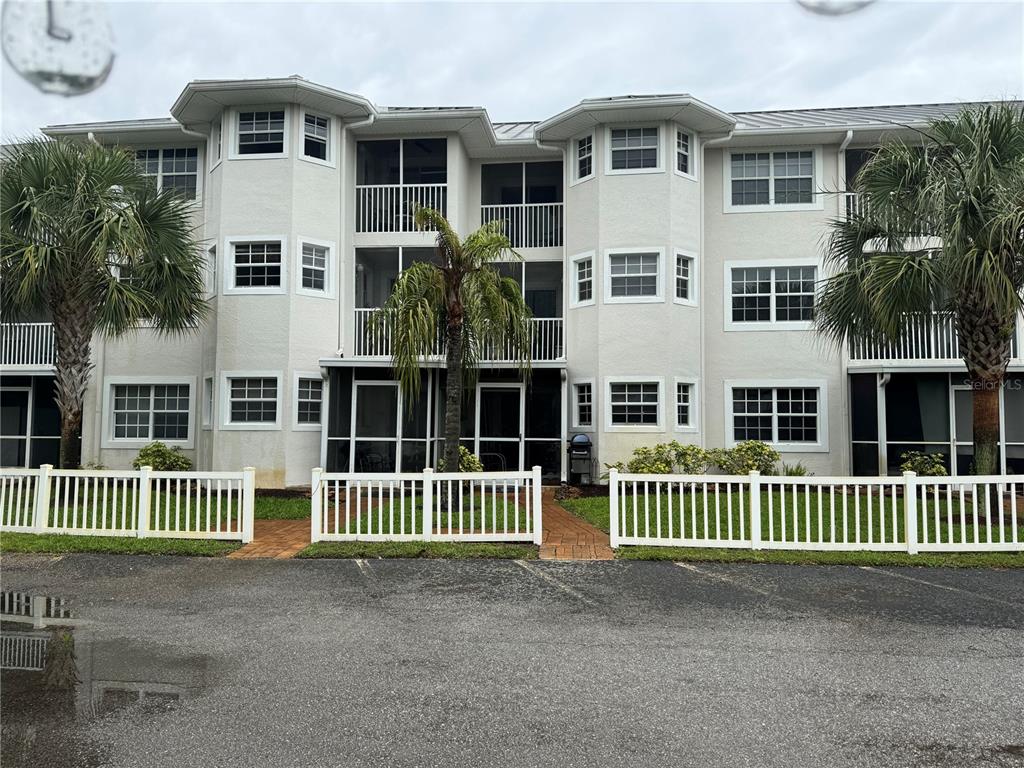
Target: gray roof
column 522, row 131
column 849, row 117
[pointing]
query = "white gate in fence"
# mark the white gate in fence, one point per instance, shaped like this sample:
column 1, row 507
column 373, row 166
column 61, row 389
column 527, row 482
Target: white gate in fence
column 23, row 650
column 140, row 503
column 900, row 514
column 427, row 506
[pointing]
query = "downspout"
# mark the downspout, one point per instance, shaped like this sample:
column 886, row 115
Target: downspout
column 702, row 295
column 844, row 379
column 564, row 427
column 345, row 128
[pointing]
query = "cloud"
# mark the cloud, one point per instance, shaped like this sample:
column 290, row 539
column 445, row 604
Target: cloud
column 528, row 61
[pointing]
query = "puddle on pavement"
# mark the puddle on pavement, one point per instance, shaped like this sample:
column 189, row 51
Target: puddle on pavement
column 59, row 675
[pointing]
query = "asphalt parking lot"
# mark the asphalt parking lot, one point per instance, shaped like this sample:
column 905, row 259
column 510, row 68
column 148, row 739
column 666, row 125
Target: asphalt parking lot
column 193, row 662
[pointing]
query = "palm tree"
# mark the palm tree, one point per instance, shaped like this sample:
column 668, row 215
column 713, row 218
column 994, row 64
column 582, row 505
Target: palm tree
column 86, row 237
column 466, row 299
column 941, row 230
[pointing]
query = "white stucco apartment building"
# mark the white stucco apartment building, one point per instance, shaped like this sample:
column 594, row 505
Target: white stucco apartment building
column 671, row 255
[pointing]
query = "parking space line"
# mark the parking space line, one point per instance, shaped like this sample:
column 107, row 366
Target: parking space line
column 726, row 580
column 370, row 576
column 556, row 582
column 947, row 587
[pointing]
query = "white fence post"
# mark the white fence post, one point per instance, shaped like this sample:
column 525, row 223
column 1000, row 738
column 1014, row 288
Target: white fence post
column 538, row 518
column 755, row 509
column 41, row 512
column 142, row 523
column 248, row 503
column 910, row 511
column 316, row 514
column 613, row 508
column 428, row 503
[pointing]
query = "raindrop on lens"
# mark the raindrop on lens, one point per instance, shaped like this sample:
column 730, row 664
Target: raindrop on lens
column 64, row 47
column 834, row 7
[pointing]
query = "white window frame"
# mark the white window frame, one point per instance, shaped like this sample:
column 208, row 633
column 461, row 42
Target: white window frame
column 821, row 446
column 659, row 295
column 233, row 153
column 211, row 271
column 159, row 175
column 298, row 426
column 817, row 195
column 592, row 426
column 331, row 153
column 660, row 146
column 229, row 265
column 216, row 143
column 109, row 382
column 209, row 402
column 225, row 401
column 576, row 178
column 691, row 153
column 771, row 324
column 692, row 299
column 610, row 427
column 329, row 267
column 574, row 281
column 694, row 424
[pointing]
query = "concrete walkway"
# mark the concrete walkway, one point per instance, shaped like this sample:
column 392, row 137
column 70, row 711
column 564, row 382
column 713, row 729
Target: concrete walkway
column 567, row 537
column 278, row 539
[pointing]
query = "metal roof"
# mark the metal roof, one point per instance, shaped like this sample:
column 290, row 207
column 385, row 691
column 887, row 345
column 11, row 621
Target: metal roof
column 850, row 117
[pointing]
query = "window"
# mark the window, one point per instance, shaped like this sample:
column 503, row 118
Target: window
column 684, row 272
column 176, row 169
column 252, row 400
column 776, row 414
column 211, row 270
column 584, row 405
column 583, row 274
column 261, row 133
column 314, row 267
column 633, row 276
column 316, row 134
column 684, row 404
column 683, row 152
column 151, row 412
column 584, row 157
column 634, row 403
column 257, row 265
column 634, row 148
column 219, row 128
column 208, row 402
column 308, row 401
column 772, row 178
column 773, row 294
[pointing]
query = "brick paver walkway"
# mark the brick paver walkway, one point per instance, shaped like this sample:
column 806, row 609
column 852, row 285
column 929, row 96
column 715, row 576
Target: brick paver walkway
column 567, row 537
column 275, row 538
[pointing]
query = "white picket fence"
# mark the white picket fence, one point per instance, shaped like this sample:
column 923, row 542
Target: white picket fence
column 427, row 506
column 140, row 503
column 23, row 650
column 900, row 514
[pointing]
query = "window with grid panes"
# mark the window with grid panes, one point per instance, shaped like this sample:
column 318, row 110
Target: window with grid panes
column 634, row 403
column 309, row 401
column 261, row 133
column 151, row 411
column 684, row 267
column 253, row 400
column 773, row 294
column 633, row 274
column 772, row 178
column 634, row 148
column 316, row 132
column 682, row 151
column 176, row 168
column 257, row 265
column 314, row 266
column 776, row 415
column 584, row 157
column 584, row 280
column 584, row 405
column 684, row 398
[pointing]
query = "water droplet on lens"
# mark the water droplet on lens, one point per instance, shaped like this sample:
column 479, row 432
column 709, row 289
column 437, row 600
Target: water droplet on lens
column 834, row 7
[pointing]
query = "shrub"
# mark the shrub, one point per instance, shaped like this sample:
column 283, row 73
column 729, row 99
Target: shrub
column 162, row 458
column 927, row 464
column 794, row 470
column 690, row 459
column 468, row 461
column 745, row 457
column 665, row 459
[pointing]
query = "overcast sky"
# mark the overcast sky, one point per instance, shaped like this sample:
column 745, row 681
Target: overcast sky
column 529, row 61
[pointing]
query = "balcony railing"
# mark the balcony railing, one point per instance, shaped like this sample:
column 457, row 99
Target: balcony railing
column 548, row 344
column 852, row 204
column 392, row 207
column 928, row 338
column 528, row 225
column 26, row 345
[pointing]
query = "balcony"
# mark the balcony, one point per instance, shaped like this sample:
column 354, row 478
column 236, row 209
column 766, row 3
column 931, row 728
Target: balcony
column 392, row 207
column 853, row 204
column 528, row 225
column 929, row 340
column 26, row 346
column 548, row 342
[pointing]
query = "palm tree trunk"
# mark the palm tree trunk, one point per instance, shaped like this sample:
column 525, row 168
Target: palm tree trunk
column 72, row 330
column 986, row 426
column 453, row 394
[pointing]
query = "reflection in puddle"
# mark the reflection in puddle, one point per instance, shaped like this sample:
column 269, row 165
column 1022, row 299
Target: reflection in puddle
column 58, row 674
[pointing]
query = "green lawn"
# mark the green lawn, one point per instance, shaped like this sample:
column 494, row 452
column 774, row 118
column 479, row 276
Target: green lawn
column 61, row 544
column 281, row 507
column 595, row 511
column 417, row 549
